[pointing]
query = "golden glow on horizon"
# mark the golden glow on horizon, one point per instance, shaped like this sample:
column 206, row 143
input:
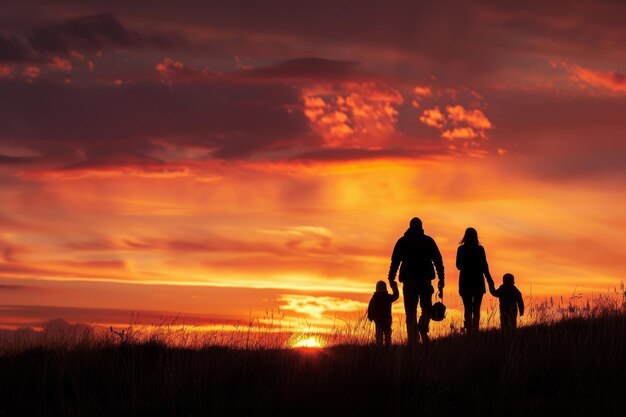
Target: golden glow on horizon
column 308, row 231
column 312, row 342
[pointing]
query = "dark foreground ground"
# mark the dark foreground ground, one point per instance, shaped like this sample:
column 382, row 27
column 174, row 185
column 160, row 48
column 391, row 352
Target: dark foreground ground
column 576, row 367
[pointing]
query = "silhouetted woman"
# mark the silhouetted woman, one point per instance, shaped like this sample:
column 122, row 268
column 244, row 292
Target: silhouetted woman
column 471, row 260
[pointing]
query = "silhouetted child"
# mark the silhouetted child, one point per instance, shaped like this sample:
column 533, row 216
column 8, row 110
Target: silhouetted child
column 379, row 311
column 510, row 301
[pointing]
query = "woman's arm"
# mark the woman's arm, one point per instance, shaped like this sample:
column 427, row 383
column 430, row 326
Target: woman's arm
column 493, row 291
column 486, row 271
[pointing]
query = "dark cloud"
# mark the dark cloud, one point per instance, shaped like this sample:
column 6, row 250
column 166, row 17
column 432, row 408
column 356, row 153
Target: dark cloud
column 561, row 137
column 4, row 287
column 458, row 38
column 103, row 124
column 308, row 68
column 14, row 48
column 356, row 154
column 291, row 245
column 34, row 315
column 99, row 269
column 241, row 114
column 84, row 35
column 111, row 158
column 16, row 160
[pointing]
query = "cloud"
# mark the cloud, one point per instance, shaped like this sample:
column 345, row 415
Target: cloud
column 453, row 40
column 353, row 114
column 473, row 118
column 310, row 68
column 562, row 137
column 317, row 307
column 101, row 124
column 100, row 264
column 355, row 154
column 292, row 241
column 423, row 91
column 88, row 34
column 459, row 133
column 130, row 128
column 60, row 64
column 6, row 71
column 433, row 117
column 306, row 239
column 4, row 287
column 171, row 70
column 16, row 160
column 457, row 122
column 57, row 320
column 234, row 115
column 611, row 82
column 31, row 72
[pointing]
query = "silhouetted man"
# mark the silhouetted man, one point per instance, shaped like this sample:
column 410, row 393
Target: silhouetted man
column 415, row 254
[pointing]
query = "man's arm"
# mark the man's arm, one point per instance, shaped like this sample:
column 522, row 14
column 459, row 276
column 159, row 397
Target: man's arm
column 520, row 303
column 395, row 261
column 438, row 261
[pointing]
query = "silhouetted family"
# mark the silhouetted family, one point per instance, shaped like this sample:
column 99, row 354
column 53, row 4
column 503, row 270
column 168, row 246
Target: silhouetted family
column 418, row 258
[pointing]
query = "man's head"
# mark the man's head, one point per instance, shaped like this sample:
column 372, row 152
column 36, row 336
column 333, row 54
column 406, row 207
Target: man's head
column 415, row 224
column 508, row 279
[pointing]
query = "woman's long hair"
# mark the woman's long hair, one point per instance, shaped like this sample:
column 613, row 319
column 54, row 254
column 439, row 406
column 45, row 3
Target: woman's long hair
column 470, row 237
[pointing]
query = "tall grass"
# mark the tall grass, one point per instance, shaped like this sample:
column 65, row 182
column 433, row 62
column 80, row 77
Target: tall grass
column 271, row 332
column 571, row 366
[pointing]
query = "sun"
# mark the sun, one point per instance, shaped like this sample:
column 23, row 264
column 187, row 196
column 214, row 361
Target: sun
column 312, row 342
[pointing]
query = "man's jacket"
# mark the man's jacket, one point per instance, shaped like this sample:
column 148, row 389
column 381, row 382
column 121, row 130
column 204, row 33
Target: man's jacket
column 415, row 253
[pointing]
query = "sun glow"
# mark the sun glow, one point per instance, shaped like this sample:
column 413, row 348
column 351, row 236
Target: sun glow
column 312, row 342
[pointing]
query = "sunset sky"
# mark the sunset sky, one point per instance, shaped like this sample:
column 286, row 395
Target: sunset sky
column 217, row 161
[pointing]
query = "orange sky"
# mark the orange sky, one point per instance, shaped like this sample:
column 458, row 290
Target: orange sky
column 172, row 163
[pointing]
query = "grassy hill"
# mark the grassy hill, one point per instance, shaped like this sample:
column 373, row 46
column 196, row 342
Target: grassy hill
column 573, row 367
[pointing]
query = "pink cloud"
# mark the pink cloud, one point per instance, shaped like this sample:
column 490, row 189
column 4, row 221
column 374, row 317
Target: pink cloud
column 423, row 91
column 60, row 64
column 31, row 72
column 316, row 307
column 459, row 133
column 433, row 118
column 6, row 71
column 473, row 118
column 171, row 70
column 353, row 114
column 457, row 122
column 614, row 82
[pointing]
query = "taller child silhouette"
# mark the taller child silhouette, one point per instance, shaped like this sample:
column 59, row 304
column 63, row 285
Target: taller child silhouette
column 416, row 253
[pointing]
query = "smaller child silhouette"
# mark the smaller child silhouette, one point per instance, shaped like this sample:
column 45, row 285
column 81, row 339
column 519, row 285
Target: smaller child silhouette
column 379, row 311
column 510, row 301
